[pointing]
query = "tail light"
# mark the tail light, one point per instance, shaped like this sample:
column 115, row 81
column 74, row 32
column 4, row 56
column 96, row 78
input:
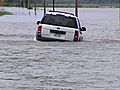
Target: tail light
column 76, row 35
column 39, row 29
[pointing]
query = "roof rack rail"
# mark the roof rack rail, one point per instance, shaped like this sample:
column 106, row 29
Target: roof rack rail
column 62, row 12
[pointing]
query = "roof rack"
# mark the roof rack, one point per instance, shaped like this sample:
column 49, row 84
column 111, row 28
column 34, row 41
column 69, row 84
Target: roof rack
column 62, row 12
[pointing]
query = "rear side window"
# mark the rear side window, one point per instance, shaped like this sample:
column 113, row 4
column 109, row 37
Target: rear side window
column 59, row 20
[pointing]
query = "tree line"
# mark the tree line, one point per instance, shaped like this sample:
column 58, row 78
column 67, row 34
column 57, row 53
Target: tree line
column 71, row 1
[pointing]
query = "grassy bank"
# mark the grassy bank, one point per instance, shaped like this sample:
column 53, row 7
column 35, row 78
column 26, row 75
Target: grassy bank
column 5, row 13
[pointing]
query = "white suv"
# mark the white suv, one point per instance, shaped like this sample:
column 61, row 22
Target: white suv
column 59, row 26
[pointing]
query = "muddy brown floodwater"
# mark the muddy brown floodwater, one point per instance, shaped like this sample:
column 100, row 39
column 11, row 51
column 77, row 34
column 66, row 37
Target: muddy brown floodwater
column 93, row 64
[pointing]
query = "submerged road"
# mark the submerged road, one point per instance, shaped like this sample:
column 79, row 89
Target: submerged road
column 93, row 64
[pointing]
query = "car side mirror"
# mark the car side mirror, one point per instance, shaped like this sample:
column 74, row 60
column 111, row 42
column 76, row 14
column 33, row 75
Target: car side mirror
column 83, row 29
column 38, row 22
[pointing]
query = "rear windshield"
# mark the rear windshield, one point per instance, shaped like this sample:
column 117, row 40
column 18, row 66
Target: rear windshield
column 59, row 20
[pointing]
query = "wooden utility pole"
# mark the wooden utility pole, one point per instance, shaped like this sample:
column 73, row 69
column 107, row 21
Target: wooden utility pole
column 1, row 5
column 76, row 8
column 1, row 2
column 35, row 7
column 53, row 5
column 44, row 7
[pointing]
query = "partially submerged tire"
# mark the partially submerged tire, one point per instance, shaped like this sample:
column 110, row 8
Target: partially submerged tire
column 81, row 39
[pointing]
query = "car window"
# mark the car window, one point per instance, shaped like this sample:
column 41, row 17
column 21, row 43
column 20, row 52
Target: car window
column 59, row 20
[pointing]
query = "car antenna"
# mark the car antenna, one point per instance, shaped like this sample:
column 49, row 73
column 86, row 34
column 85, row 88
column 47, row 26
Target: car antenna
column 44, row 7
column 76, row 8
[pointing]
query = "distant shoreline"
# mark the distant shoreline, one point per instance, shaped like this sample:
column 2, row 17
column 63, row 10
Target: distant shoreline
column 87, row 5
column 68, row 5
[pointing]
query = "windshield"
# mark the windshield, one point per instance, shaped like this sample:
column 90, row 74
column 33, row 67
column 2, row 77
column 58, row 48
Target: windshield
column 59, row 20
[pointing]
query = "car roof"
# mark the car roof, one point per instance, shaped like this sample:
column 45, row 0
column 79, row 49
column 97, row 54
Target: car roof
column 61, row 13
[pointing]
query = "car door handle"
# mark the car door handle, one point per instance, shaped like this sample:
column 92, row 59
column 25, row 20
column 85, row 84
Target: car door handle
column 58, row 28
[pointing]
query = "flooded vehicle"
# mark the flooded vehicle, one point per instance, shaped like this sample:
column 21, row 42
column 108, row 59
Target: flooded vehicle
column 59, row 26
